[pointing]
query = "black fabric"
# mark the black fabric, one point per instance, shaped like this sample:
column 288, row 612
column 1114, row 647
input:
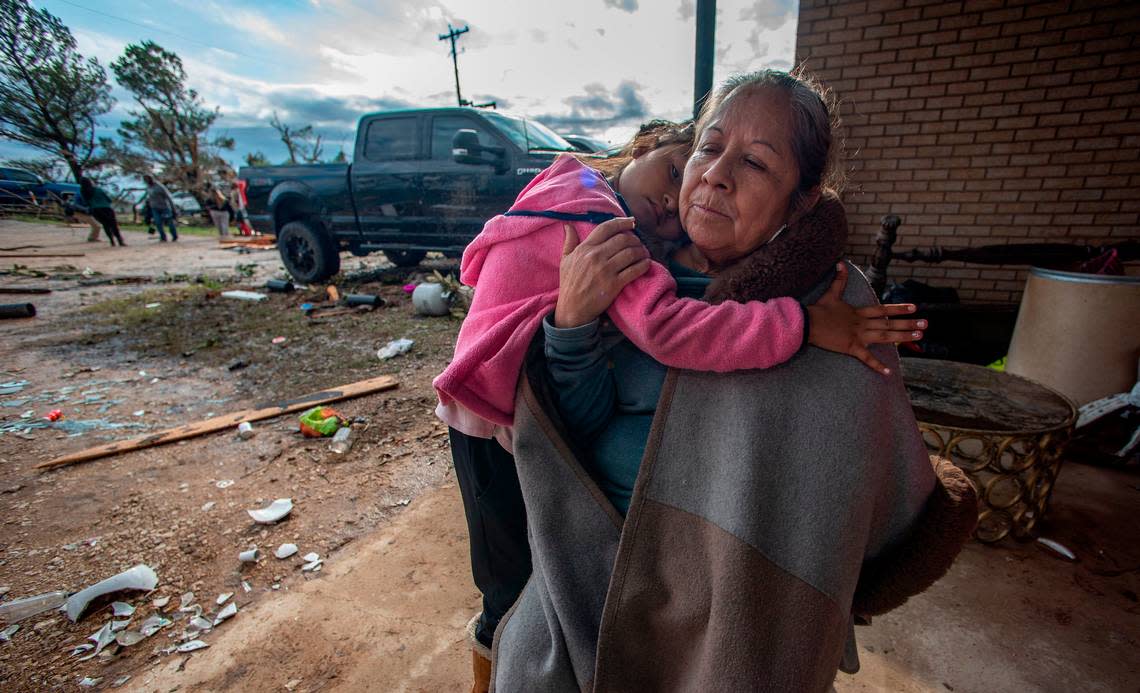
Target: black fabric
column 496, row 525
column 106, row 217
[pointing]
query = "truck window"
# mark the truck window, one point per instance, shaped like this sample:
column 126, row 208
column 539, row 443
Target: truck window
column 391, row 139
column 15, row 174
column 443, row 130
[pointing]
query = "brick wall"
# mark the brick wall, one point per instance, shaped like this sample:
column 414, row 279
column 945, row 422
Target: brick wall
column 983, row 122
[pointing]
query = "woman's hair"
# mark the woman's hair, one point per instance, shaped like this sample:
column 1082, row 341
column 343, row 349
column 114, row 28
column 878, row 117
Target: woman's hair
column 815, row 124
column 652, row 135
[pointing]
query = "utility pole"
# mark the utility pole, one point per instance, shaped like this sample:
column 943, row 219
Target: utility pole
column 451, row 35
column 706, row 47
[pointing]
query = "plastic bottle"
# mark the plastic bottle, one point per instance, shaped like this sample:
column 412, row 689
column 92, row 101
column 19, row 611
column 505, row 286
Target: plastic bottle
column 342, row 441
column 19, row 609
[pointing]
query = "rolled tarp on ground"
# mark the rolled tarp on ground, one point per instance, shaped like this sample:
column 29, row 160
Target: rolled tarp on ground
column 1078, row 333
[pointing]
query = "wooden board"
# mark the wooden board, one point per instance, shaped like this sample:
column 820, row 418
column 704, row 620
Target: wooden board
column 228, row 421
column 43, row 255
column 24, row 290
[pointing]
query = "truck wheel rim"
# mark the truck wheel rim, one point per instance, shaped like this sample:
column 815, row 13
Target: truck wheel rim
column 301, row 254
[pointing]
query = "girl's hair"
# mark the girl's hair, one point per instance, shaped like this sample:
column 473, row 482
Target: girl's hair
column 652, row 135
column 815, row 124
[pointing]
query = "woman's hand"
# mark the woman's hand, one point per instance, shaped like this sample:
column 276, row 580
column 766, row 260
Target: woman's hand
column 839, row 327
column 595, row 271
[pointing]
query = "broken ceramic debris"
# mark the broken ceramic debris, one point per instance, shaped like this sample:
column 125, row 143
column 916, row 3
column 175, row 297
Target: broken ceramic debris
column 102, row 637
column 154, row 624
column 186, row 602
column 245, row 586
column 191, row 646
column 224, row 483
column 160, row 602
column 245, row 430
column 90, row 682
column 207, row 507
column 140, row 577
column 82, row 648
column 19, row 609
column 311, row 557
column 285, row 550
column 117, row 626
column 250, row 556
column 273, row 512
column 200, row 623
column 225, row 613
column 312, row 566
column 7, row 633
column 223, row 598
column 121, row 681
column 129, row 637
column 394, row 348
column 1060, row 549
column 121, row 609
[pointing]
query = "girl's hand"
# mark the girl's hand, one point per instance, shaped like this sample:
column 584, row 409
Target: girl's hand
column 839, row 327
column 595, row 271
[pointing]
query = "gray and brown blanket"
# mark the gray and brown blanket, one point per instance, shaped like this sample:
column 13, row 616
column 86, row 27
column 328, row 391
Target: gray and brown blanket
column 770, row 508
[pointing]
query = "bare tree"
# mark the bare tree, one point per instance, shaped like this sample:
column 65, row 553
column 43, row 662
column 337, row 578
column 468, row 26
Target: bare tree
column 48, row 168
column 50, row 96
column 302, row 143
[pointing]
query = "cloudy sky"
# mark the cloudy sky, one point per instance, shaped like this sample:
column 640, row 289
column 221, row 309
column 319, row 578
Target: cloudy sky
column 593, row 66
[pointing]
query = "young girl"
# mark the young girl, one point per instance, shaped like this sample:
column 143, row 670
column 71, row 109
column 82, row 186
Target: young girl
column 514, row 266
column 568, row 214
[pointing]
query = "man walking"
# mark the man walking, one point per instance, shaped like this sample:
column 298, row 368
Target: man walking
column 161, row 207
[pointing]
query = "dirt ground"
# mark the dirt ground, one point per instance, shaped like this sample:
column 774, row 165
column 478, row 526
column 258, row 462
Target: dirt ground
column 387, row 610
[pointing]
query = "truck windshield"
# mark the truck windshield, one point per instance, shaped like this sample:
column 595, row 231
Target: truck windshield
column 528, row 134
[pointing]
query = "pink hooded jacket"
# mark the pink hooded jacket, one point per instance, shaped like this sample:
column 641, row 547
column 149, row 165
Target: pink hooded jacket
column 513, row 266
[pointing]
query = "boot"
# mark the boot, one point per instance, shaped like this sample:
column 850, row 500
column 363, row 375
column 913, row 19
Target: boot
column 480, row 660
column 481, row 671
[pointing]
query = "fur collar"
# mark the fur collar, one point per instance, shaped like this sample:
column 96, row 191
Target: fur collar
column 792, row 264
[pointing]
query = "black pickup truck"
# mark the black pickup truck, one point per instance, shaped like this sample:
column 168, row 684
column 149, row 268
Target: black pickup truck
column 420, row 180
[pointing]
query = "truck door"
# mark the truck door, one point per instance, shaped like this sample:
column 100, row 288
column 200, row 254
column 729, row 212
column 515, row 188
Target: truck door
column 462, row 197
column 386, row 177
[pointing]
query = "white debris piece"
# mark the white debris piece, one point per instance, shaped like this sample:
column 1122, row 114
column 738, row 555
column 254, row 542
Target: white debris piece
column 191, row 646
column 230, row 610
column 122, row 609
column 245, row 295
column 160, row 602
column 394, row 348
column 285, row 550
column 223, row 598
column 250, row 556
column 273, row 512
column 311, row 557
column 7, row 633
column 186, row 602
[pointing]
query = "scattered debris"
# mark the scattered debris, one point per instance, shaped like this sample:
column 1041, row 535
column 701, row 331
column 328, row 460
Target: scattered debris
column 342, row 441
column 160, row 602
column 395, row 348
column 54, row 415
column 245, row 430
column 279, row 340
column 223, row 598
column 229, row 611
column 121, row 609
column 251, row 555
column 431, row 299
column 200, row 623
column 357, row 389
column 17, row 310
column 19, row 609
column 245, row 586
column 245, row 295
column 224, row 483
column 102, row 637
column 236, row 365
column 129, row 637
column 310, row 557
column 121, row 681
column 186, row 603
column 191, row 646
column 363, row 300
column 273, row 512
column 140, row 412
column 279, row 286
column 1057, row 548
column 117, row 626
column 153, row 305
column 154, row 624
column 85, row 647
column 7, row 633
column 333, row 293
column 89, row 682
column 140, row 577
column 321, row 422
column 285, row 550
column 12, row 387
column 208, row 506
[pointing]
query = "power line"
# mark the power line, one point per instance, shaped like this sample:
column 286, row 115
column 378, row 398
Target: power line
column 164, row 31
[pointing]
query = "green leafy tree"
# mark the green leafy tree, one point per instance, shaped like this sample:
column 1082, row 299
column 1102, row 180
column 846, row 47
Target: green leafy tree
column 256, row 159
column 168, row 133
column 302, row 143
column 51, row 97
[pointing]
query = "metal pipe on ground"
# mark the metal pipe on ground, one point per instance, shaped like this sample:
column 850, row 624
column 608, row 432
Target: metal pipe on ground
column 17, row 310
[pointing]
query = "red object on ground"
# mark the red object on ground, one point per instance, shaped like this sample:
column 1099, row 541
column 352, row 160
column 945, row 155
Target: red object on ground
column 54, row 415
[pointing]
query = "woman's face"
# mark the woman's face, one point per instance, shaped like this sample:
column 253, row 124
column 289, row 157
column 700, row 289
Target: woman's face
column 741, row 176
column 651, row 186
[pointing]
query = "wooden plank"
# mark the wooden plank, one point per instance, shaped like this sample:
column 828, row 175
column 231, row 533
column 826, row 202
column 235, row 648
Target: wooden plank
column 42, row 255
column 220, row 423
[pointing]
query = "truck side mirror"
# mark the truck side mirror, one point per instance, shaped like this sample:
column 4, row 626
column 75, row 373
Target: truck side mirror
column 466, row 149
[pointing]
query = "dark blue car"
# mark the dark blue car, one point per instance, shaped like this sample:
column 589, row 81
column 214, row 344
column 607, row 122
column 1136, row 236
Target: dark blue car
column 20, row 188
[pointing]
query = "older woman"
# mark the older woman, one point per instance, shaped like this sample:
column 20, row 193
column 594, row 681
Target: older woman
column 762, row 510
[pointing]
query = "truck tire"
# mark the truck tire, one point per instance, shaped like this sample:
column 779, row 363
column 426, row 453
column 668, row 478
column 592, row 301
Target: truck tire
column 307, row 253
column 405, row 258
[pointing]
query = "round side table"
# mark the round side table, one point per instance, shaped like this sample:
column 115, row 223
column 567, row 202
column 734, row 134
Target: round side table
column 1006, row 432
